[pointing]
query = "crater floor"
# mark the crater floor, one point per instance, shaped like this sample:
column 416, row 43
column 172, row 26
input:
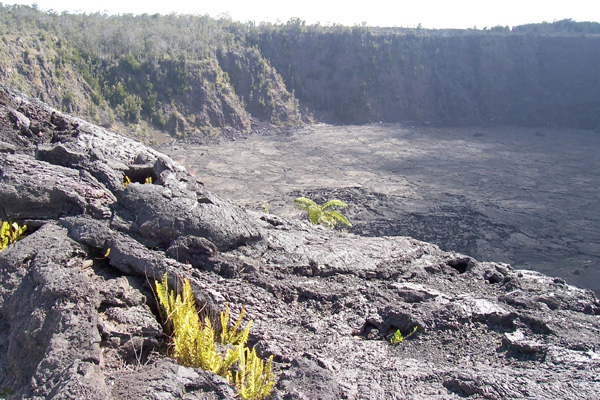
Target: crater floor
column 524, row 196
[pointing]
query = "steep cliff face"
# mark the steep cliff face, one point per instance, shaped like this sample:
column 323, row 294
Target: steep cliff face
column 259, row 86
column 205, row 103
column 30, row 63
column 355, row 76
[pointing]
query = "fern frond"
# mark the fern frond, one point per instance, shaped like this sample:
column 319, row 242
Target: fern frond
column 194, row 344
column 211, row 359
column 240, row 375
column 327, row 220
column 237, row 337
column 322, row 214
column 18, row 232
column 305, row 203
column 334, row 203
column 188, row 295
column 254, row 380
column 231, row 357
column 242, row 337
column 397, row 336
column 233, row 335
column 185, row 334
column 315, row 215
column 338, row 217
column 10, row 233
column 4, row 235
column 225, row 331
column 166, row 304
column 162, row 292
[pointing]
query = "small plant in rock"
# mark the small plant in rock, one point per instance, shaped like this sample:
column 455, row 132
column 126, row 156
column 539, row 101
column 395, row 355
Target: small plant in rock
column 397, row 336
column 127, row 180
column 253, row 379
column 324, row 214
column 194, row 345
column 10, row 233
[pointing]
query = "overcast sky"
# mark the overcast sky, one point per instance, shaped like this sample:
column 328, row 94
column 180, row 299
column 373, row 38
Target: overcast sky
column 429, row 13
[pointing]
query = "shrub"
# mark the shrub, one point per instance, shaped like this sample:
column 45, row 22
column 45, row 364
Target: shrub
column 193, row 343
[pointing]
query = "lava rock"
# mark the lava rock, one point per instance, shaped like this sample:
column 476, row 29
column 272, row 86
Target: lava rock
column 78, row 318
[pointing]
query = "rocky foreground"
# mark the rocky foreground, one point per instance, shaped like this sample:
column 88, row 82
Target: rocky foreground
column 78, row 323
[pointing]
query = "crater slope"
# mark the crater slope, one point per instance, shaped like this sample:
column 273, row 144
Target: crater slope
column 518, row 195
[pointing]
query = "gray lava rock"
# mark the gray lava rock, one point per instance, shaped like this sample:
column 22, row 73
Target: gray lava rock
column 306, row 380
column 50, row 316
column 165, row 212
column 32, row 189
column 167, row 380
column 78, row 318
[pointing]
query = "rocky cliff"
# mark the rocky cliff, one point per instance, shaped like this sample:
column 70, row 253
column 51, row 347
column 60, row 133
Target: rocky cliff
column 157, row 77
column 154, row 77
column 77, row 321
column 358, row 75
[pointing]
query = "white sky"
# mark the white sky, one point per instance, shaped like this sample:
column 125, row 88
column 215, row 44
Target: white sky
column 429, row 13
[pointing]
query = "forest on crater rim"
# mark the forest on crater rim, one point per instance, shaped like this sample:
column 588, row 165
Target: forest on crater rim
column 193, row 77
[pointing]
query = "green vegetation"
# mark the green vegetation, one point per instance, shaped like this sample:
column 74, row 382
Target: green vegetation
column 323, row 214
column 397, row 337
column 142, row 69
column 193, row 343
column 562, row 26
column 195, row 75
column 10, row 233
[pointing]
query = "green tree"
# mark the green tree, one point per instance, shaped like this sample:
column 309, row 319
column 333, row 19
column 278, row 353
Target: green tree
column 323, row 214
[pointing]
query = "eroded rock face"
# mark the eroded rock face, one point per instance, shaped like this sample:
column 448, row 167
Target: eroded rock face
column 78, row 321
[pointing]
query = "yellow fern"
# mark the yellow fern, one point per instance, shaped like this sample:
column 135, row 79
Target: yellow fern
column 10, row 233
column 166, row 303
column 186, row 330
column 323, row 214
column 193, row 343
column 254, row 379
column 234, row 335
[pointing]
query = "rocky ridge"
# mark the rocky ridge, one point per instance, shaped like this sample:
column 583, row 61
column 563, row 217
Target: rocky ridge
column 78, row 323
